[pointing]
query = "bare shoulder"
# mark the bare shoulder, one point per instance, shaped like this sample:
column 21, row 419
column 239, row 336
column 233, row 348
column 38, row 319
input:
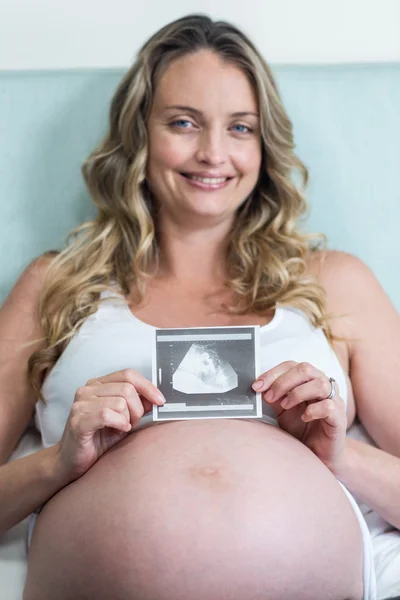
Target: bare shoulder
column 30, row 282
column 324, row 263
column 35, row 272
column 353, row 290
column 346, row 279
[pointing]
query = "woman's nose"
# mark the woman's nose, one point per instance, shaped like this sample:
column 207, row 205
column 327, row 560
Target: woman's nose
column 212, row 148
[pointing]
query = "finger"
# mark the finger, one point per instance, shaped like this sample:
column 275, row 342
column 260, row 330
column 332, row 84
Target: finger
column 148, row 407
column 117, row 403
column 297, row 375
column 314, row 390
column 269, row 377
column 129, row 399
column 129, row 396
column 327, row 410
column 143, row 386
column 89, row 423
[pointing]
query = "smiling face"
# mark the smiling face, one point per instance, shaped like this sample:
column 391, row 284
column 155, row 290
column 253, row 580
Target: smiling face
column 204, row 140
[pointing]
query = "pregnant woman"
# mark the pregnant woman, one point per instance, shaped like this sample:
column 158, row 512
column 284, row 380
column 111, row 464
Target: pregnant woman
column 197, row 226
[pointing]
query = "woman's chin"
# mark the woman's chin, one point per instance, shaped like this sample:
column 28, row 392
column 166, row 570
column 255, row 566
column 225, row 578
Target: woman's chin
column 205, row 209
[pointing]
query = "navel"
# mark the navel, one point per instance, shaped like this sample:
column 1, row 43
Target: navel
column 211, row 477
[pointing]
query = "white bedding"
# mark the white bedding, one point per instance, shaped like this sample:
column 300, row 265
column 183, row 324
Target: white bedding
column 13, row 543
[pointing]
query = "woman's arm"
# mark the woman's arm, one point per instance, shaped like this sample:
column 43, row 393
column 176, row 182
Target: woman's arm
column 373, row 476
column 373, row 326
column 373, row 329
column 19, row 328
column 27, row 483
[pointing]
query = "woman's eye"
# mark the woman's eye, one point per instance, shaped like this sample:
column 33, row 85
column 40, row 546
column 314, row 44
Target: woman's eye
column 181, row 124
column 242, row 128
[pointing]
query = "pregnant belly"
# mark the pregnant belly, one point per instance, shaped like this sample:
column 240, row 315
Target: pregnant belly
column 224, row 509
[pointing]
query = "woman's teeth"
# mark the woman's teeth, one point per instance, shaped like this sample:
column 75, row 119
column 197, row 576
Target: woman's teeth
column 208, row 180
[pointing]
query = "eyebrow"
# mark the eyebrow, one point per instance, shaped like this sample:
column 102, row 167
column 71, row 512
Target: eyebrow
column 199, row 113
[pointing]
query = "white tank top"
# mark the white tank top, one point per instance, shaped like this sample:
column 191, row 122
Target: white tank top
column 113, row 338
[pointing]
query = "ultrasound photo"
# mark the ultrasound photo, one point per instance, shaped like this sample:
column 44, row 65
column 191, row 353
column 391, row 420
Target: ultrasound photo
column 207, row 372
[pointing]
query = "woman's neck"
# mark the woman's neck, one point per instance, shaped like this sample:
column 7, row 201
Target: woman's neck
column 195, row 257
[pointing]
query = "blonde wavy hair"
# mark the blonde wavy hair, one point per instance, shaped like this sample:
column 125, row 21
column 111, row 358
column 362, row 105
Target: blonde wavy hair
column 266, row 254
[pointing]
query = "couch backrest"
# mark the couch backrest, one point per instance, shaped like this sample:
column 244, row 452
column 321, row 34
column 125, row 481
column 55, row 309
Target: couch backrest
column 347, row 130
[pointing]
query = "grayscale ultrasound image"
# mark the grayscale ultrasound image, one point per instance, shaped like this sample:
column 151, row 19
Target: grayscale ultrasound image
column 207, row 372
column 204, row 371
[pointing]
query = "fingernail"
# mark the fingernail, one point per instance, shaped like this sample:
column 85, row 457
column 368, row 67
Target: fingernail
column 257, row 385
column 285, row 403
column 161, row 398
column 269, row 396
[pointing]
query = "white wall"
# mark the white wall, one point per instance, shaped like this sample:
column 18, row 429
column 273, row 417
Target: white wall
column 52, row 34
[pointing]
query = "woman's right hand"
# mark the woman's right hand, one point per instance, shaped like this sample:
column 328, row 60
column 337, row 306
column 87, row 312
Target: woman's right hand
column 104, row 411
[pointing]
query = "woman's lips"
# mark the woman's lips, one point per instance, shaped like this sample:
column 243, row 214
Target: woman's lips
column 206, row 183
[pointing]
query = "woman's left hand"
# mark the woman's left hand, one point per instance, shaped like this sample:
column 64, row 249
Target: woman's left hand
column 298, row 394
